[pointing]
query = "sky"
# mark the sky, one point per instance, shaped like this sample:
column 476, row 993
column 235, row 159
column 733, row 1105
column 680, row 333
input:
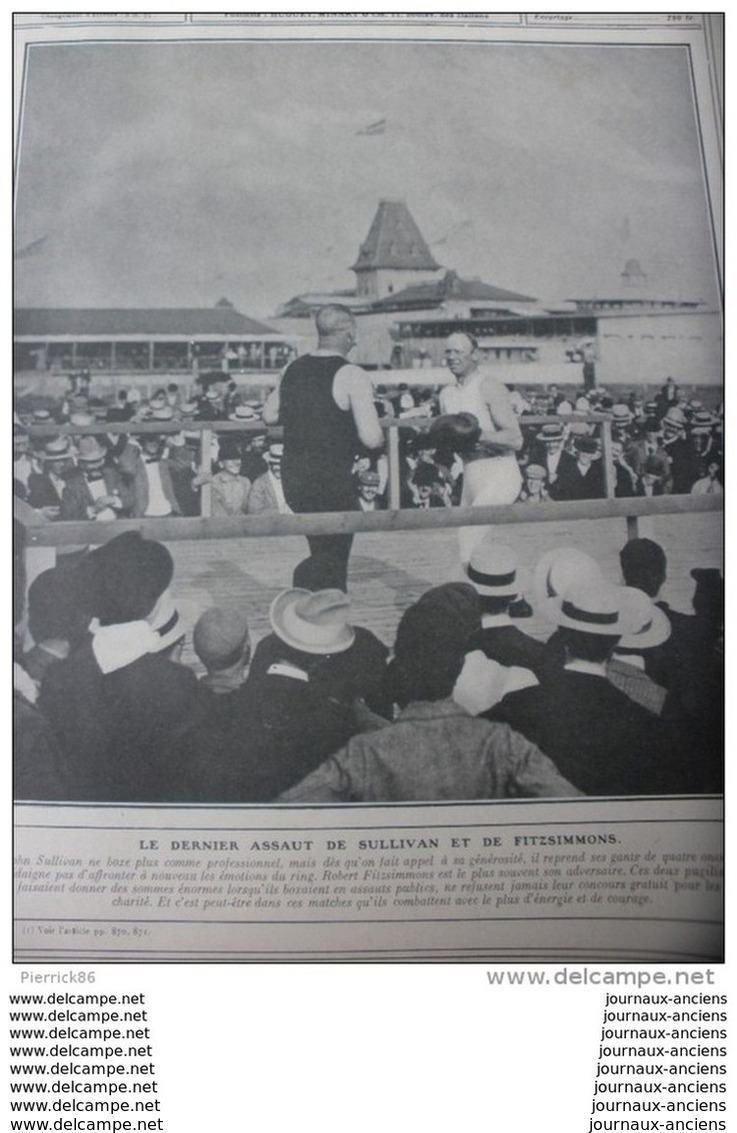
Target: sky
column 171, row 175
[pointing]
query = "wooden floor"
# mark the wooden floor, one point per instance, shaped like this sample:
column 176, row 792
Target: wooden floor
column 389, row 571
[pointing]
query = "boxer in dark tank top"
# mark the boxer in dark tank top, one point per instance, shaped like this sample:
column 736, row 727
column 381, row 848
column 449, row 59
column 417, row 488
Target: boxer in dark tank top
column 325, row 405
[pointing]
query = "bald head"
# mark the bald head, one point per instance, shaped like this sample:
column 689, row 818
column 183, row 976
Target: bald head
column 336, row 326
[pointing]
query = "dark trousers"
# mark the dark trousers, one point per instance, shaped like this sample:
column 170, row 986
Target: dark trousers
column 327, row 565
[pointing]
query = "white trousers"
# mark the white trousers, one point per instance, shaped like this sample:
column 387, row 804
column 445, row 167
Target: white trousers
column 490, row 482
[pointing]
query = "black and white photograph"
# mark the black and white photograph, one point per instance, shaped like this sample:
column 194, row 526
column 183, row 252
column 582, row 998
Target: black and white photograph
column 280, row 289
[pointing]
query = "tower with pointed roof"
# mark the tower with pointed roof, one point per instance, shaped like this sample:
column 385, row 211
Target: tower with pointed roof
column 394, row 255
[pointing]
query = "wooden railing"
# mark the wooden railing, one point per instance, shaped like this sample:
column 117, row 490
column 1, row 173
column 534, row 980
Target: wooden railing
column 42, row 533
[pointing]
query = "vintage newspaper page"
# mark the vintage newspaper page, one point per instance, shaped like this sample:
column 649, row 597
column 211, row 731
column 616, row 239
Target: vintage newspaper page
column 563, row 174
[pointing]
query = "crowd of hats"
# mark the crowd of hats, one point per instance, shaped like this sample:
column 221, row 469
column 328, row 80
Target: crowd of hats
column 125, row 580
column 432, row 456
column 120, row 600
column 215, row 399
column 431, row 464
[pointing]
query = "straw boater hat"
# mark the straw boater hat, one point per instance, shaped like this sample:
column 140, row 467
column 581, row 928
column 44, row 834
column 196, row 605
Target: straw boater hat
column 621, row 414
column 647, row 625
column 274, row 453
column 90, row 451
column 165, row 622
column 79, row 417
column 702, row 422
column 561, row 568
column 163, row 413
column 493, row 569
column 243, row 413
column 42, row 417
column 589, row 607
column 551, row 433
column 674, row 420
column 59, row 448
column 313, row 622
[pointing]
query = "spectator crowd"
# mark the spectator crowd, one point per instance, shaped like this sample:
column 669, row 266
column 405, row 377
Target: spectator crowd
column 620, row 695
column 670, row 445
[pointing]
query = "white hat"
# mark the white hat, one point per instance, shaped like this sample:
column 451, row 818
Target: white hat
column 313, row 622
column 647, row 625
column 675, row 418
column 79, row 417
column 274, row 452
column 560, row 568
column 165, row 622
column 493, row 569
column 589, row 607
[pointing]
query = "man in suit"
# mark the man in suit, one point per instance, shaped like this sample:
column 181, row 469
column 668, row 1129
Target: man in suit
column 435, row 749
column 46, row 488
column 147, row 466
column 546, row 452
column 646, row 456
column 369, row 487
column 500, row 657
column 684, row 460
column 598, row 738
column 119, row 705
column 95, row 489
column 267, row 494
column 581, row 475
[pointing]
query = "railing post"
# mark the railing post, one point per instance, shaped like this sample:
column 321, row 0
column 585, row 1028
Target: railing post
column 392, row 453
column 610, row 477
column 633, row 527
column 206, row 469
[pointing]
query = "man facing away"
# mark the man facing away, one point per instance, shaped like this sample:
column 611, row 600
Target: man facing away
column 326, row 407
column 435, row 749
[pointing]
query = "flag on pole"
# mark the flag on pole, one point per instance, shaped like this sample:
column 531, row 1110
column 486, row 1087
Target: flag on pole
column 373, row 129
column 31, row 249
column 455, row 229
